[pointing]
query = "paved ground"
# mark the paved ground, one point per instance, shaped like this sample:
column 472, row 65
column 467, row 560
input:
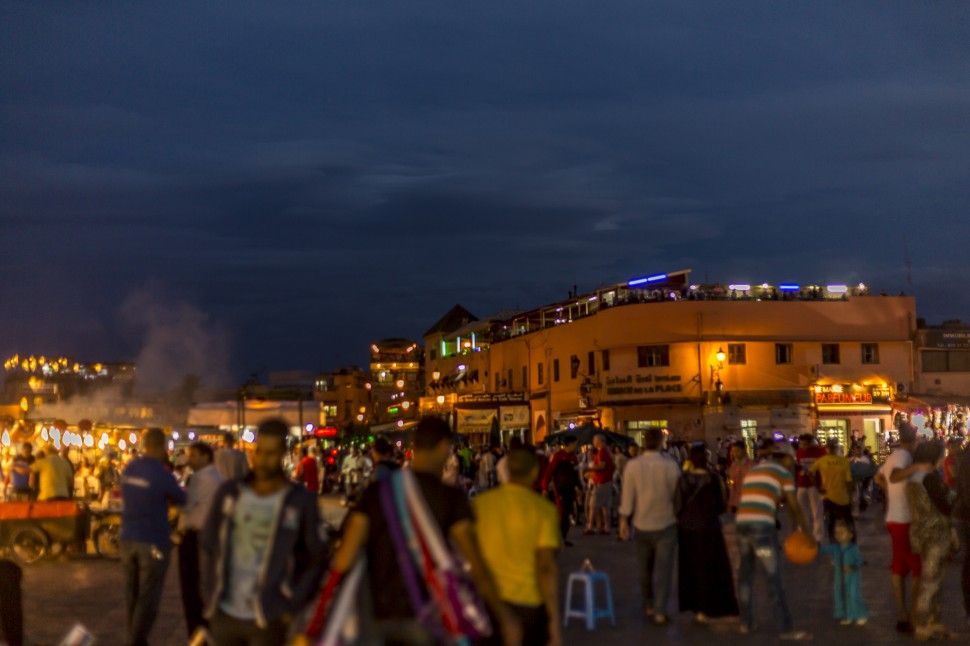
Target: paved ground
column 89, row 590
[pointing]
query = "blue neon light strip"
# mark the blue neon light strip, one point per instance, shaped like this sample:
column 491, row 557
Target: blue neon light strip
column 788, row 287
column 649, row 279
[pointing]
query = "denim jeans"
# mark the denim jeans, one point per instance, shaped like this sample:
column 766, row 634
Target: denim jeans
column 655, row 555
column 144, row 583
column 759, row 543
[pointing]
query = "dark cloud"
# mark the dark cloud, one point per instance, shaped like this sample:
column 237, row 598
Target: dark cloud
column 312, row 175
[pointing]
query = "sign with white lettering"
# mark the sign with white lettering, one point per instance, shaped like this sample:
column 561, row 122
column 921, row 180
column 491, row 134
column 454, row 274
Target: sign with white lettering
column 635, row 386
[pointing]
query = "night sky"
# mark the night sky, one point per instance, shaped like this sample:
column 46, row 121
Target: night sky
column 226, row 186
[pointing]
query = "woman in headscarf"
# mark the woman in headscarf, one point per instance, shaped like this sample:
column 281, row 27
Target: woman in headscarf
column 706, row 584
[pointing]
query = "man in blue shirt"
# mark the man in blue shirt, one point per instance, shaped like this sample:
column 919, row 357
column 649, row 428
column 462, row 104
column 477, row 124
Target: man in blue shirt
column 147, row 489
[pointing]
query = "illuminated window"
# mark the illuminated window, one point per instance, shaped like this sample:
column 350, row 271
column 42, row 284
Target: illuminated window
column 737, row 354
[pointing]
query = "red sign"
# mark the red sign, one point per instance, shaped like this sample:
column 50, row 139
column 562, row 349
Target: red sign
column 325, row 431
column 843, row 398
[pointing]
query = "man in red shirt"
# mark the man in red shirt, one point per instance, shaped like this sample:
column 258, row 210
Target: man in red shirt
column 307, row 472
column 561, row 479
column 809, row 497
column 600, row 475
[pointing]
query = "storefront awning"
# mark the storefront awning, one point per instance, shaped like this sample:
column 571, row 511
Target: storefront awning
column 855, row 410
column 935, row 401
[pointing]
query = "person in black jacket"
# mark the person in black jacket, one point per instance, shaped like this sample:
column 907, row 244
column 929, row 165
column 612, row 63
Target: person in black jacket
column 261, row 549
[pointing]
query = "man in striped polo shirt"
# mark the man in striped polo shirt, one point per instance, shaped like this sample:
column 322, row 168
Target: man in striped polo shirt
column 766, row 485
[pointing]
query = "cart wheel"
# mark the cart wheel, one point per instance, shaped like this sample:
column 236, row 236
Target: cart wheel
column 106, row 541
column 30, row 545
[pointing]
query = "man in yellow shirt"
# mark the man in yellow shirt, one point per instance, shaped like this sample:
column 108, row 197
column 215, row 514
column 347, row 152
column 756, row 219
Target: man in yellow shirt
column 518, row 531
column 54, row 476
column 836, row 482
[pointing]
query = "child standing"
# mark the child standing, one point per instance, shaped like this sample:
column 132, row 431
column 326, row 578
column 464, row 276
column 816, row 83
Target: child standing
column 849, row 607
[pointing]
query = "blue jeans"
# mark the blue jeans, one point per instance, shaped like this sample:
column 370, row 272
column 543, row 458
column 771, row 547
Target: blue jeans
column 655, row 555
column 760, row 543
column 144, row 583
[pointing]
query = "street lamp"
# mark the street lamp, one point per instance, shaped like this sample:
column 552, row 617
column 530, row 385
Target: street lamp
column 716, row 374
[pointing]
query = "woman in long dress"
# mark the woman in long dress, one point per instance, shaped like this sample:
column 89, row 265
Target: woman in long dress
column 705, row 580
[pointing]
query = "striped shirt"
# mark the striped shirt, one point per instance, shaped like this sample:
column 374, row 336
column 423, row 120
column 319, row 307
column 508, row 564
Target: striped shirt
column 763, row 488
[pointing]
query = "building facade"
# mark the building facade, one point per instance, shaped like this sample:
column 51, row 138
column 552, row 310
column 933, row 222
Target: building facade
column 701, row 361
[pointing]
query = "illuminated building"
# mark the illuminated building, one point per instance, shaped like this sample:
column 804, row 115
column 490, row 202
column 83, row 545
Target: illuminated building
column 703, row 361
column 345, row 397
column 397, row 376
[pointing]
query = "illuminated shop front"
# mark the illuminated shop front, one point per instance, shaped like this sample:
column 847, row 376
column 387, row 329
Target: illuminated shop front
column 847, row 412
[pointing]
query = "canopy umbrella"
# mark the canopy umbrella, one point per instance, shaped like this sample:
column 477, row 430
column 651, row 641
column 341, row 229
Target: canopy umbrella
column 584, row 435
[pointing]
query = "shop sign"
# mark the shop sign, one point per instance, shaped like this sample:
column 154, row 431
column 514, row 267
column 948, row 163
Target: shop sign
column 636, row 385
column 489, row 398
column 475, row 421
column 325, row 431
column 850, row 395
column 947, row 339
column 514, row 418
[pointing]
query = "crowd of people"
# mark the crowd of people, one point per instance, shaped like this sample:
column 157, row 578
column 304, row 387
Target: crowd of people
column 253, row 556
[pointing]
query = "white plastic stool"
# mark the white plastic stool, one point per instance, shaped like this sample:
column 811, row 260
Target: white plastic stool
column 588, row 577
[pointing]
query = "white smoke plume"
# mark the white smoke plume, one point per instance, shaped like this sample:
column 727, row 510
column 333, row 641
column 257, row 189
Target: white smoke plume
column 177, row 340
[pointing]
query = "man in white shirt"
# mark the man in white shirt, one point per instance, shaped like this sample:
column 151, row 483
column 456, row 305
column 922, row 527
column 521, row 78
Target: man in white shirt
column 892, row 478
column 352, row 470
column 649, row 483
column 202, row 486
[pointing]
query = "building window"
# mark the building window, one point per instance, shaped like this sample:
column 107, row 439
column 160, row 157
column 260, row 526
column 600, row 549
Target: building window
column 606, row 360
column 498, row 380
column 555, row 370
column 737, row 354
column 783, row 353
column 510, row 379
column 573, row 366
column 525, row 377
column 434, row 354
column 870, row 353
column 329, row 411
column 830, row 353
column 591, row 364
column 540, row 374
column 653, row 356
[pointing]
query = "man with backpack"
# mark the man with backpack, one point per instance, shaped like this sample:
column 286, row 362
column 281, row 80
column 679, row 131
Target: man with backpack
column 561, row 479
column 396, row 586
